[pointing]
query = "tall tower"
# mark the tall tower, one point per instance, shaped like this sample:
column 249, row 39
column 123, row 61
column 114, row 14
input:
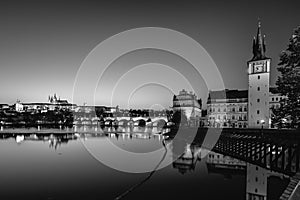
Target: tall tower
column 258, row 84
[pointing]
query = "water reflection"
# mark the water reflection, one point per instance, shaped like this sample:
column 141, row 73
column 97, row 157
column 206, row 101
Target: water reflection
column 259, row 183
column 258, row 180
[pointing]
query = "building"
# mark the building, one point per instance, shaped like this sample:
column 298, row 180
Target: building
column 4, row 107
column 259, row 84
column 246, row 108
column 52, row 104
column 231, row 111
column 227, row 108
column 188, row 103
column 57, row 103
column 275, row 99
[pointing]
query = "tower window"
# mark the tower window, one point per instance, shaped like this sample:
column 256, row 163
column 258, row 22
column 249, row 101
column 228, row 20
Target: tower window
column 257, row 111
column 258, row 88
column 258, row 77
column 258, row 100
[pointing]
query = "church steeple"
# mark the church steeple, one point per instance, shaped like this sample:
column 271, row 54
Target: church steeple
column 258, row 46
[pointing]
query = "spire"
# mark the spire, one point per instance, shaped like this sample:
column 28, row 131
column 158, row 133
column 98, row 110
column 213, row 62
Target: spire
column 254, row 46
column 258, row 46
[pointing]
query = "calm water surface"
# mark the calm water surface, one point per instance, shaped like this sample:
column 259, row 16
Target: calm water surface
column 46, row 167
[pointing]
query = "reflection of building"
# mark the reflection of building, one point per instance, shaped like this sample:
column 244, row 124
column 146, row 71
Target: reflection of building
column 216, row 161
column 187, row 102
column 188, row 159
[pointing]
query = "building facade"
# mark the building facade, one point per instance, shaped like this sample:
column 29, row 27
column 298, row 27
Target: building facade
column 188, row 103
column 227, row 108
column 231, row 110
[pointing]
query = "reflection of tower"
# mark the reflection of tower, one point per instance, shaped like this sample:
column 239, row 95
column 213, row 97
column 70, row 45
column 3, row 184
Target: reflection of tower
column 258, row 77
column 256, row 183
column 188, row 158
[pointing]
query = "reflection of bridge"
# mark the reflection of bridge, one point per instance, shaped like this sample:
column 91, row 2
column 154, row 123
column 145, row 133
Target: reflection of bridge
column 266, row 152
column 276, row 152
column 148, row 121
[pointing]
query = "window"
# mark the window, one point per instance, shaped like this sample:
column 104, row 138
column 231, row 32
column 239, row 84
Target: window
column 240, row 109
column 245, row 109
column 257, row 111
column 219, row 110
column 258, row 100
column 258, row 88
column 213, row 109
column 224, row 117
column 257, row 122
column 272, row 98
column 233, row 117
column 233, row 109
column 224, row 109
column 276, row 98
column 258, row 77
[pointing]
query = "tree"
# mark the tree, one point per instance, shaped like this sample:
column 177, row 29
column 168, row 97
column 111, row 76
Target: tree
column 288, row 83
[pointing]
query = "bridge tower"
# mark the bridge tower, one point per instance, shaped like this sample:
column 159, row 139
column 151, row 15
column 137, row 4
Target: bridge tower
column 258, row 84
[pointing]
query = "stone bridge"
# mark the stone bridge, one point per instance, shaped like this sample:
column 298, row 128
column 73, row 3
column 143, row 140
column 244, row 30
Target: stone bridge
column 136, row 121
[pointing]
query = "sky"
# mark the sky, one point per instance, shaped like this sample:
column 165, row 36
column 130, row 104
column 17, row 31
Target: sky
column 44, row 43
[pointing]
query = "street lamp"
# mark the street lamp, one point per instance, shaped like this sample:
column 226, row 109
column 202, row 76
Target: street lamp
column 262, row 126
column 262, row 123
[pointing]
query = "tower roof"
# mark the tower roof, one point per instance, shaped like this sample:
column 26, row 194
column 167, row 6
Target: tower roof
column 259, row 46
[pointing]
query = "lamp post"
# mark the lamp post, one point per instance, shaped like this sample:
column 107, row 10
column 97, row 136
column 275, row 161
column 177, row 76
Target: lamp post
column 262, row 123
column 262, row 126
